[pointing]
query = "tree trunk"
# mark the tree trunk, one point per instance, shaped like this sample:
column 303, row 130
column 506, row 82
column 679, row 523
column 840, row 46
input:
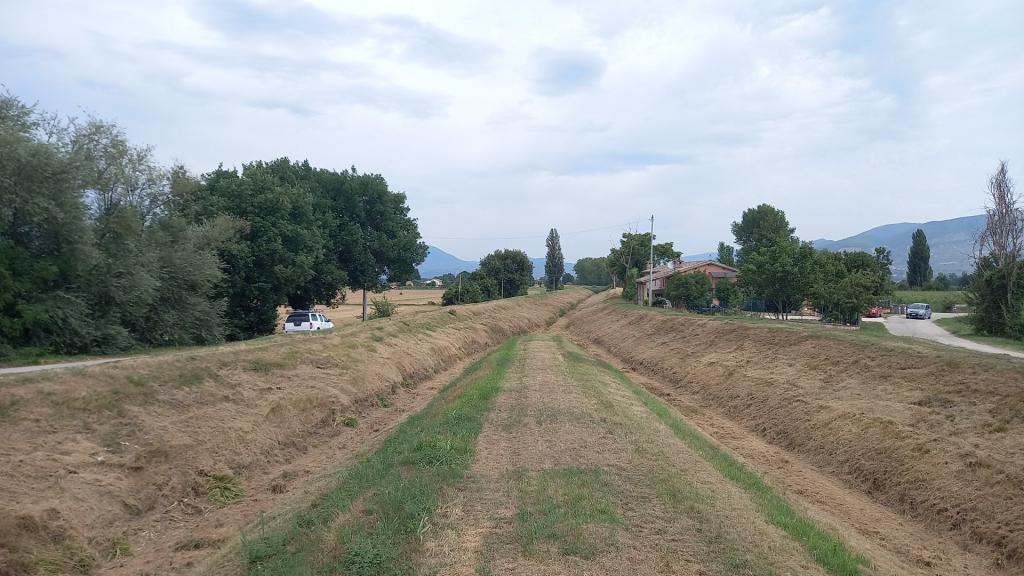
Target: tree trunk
column 366, row 306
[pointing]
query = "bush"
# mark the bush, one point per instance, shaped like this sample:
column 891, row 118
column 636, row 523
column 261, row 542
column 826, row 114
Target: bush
column 689, row 290
column 728, row 293
column 382, row 307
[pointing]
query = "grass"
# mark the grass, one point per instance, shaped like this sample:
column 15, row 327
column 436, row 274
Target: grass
column 562, row 507
column 371, row 519
column 825, row 548
column 941, row 301
column 961, row 326
column 224, row 488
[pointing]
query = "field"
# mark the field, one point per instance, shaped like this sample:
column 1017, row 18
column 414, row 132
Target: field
column 351, row 311
column 561, row 433
column 941, row 301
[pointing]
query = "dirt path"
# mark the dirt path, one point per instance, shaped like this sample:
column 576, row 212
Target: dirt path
column 929, row 330
column 573, row 475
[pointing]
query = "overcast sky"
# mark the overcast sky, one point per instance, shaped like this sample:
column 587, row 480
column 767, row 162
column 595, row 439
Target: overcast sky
column 501, row 120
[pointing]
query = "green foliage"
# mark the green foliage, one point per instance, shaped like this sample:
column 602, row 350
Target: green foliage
column 844, row 285
column 994, row 313
column 593, row 272
column 568, row 279
column 94, row 256
column 919, row 269
column 691, row 290
column 726, row 254
column 758, row 228
column 382, row 307
column 633, row 253
column 939, row 301
column 779, row 275
column 728, row 293
column 554, row 264
column 629, row 286
column 510, row 271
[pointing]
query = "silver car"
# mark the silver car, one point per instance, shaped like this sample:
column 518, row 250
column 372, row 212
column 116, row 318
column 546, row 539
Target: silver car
column 919, row 311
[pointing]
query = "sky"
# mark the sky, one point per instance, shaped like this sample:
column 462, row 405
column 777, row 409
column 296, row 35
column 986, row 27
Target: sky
column 501, row 120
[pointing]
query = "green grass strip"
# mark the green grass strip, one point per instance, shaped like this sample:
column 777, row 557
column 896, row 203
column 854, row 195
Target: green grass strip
column 370, row 520
column 825, row 548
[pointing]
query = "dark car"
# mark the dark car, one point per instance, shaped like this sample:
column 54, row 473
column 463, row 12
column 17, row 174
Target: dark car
column 919, row 311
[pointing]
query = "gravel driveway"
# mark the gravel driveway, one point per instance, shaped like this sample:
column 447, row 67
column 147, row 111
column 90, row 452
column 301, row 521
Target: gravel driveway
column 900, row 326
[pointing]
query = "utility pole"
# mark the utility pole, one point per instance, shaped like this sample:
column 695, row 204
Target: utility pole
column 650, row 280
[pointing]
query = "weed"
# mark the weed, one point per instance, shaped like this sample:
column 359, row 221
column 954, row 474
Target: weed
column 261, row 366
column 384, row 402
column 382, row 307
column 69, row 559
column 224, row 488
column 349, row 421
column 563, row 506
column 452, row 312
column 397, row 488
column 408, row 384
column 119, row 548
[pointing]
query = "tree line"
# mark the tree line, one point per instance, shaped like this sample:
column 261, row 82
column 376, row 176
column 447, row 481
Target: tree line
column 103, row 249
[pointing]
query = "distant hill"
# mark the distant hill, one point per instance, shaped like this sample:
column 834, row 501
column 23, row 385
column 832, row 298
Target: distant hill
column 439, row 262
column 950, row 241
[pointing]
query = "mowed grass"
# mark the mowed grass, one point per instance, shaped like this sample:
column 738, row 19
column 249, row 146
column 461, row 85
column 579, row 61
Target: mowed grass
column 370, row 521
column 825, row 548
column 961, row 326
column 568, row 510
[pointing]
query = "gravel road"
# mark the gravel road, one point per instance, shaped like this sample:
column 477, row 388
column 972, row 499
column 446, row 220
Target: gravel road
column 900, row 326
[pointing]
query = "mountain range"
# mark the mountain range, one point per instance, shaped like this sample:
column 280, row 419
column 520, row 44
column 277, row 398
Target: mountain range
column 439, row 262
column 951, row 243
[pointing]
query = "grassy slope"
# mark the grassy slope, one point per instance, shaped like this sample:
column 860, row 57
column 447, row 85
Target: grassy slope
column 960, row 326
column 827, row 550
column 369, row 521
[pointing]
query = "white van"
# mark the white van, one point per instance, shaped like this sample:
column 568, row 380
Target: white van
column 306, row 321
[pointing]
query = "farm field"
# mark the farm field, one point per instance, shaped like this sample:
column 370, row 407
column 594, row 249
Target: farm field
column 351, row 312
column 940, row 301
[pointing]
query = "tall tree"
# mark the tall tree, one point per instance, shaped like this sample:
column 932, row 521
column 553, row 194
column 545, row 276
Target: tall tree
column 554, row 263
column 593, row 272
column 510, row 270
column 726, row 254
column 997, row 286
column 779, row 274
column 919, row 269
column 762, row 226
column 633, row 253
column 883, row 260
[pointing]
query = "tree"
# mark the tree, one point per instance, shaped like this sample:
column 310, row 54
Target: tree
column 510, row 270
column 997, row 286
column 844, row 285
column 593, row 272
column 883, row 260
column 568, row 279
column 633, row 254
column 691, row 290
column 919, row 270
column 760, row 227
column 726, row 254
column 779, row 275
column 554, row 264
column 728, row 293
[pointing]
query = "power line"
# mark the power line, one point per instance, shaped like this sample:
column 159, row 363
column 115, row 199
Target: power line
column 532, row 236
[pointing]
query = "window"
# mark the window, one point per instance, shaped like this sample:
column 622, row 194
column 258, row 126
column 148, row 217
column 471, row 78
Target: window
column 297, row 319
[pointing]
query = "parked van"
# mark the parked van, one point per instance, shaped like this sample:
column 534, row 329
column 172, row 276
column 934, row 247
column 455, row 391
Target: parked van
column 306, row 321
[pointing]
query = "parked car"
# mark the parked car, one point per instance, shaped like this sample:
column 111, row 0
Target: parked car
column 306, row 321
column 919, row 311
column 874, row 312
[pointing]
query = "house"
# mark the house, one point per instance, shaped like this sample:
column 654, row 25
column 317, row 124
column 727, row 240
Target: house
column 716, row 271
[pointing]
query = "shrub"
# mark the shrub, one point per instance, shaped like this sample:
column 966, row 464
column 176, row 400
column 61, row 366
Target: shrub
column 689, row 290
column 382, row 307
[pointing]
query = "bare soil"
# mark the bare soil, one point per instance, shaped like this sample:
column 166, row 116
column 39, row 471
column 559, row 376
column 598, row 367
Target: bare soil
column 863, row 433
column 108, row 469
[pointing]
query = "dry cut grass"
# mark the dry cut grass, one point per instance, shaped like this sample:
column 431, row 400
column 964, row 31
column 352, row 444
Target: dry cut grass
column 933, row 432
column 88, row 455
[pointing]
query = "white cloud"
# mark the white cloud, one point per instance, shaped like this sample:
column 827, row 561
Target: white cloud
column 506, row 119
